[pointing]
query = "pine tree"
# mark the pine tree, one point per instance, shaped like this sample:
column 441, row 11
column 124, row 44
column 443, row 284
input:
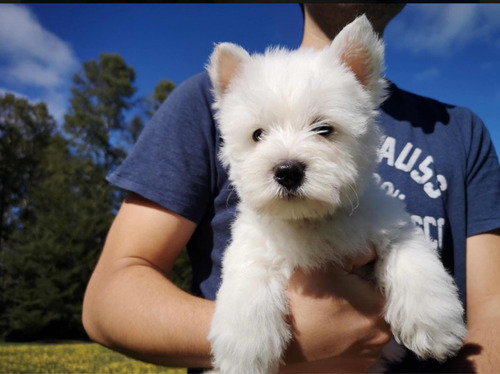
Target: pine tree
column 55, row 204
column 101, row 94
column 25, row 130
column 55, row 251
column 56, row 241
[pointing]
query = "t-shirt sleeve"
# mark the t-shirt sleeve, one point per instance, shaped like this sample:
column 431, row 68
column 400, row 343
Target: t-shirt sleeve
column 171, row 162
column 483, row 181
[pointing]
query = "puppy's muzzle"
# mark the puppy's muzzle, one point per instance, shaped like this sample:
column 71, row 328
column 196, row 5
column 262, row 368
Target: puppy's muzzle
column 290, row 174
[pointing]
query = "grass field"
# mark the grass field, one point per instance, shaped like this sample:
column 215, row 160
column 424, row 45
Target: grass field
column 71, row 358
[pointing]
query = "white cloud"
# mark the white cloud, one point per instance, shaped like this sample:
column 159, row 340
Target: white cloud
column 57, row 103
column 33, row 57
column 443, row 28
column 23, row 37
column 31, row 73
column 4, row 91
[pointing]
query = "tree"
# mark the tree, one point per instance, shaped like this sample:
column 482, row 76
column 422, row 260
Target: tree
column 56, row 206
column 25, row 130
column 56, row 249
column 56, row 241
column 101, row 94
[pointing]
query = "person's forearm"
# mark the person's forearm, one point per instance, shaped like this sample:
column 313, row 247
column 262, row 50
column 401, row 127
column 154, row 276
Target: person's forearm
column 481, row 351
column 142, row 314
column 484, row 343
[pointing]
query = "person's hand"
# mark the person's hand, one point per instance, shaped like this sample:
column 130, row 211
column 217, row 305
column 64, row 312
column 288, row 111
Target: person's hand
column 337, row 320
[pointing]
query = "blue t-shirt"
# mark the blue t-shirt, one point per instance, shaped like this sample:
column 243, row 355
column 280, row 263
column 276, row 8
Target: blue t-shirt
column 438, row 158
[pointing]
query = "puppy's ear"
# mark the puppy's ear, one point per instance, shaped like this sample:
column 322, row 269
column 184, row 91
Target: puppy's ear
column 224, row 64
column 362, row 51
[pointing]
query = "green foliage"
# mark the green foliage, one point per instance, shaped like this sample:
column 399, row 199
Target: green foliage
column 182, row 274
column 56, row 249
column 101, row 93
column 68, row 210
column 55, row 204
column 25, row 131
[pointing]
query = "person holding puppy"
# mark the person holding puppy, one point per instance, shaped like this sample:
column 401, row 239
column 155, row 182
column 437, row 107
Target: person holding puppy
column 179, row 196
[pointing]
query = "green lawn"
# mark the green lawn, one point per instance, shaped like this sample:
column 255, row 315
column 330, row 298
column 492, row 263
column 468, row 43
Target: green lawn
column 71, row 358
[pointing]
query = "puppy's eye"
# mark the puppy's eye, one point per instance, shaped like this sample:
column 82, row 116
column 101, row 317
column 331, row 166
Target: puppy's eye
column 257, row 135
column 323, row 129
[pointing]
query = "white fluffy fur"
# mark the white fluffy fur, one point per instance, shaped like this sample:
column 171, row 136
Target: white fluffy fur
column 334, row 214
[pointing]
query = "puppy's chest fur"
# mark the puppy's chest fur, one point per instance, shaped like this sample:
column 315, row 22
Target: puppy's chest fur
column 303, row 243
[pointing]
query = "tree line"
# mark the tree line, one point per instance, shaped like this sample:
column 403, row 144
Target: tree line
column 55, row 204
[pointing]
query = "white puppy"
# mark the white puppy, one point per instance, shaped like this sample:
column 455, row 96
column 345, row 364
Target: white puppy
column 301, row 144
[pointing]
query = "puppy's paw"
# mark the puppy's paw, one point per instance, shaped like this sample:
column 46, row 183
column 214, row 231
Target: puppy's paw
column 436, row 330
column 423, row 307
column 439, row 344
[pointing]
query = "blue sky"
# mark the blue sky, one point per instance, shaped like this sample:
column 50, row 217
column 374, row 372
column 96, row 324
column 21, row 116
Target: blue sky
column 447, row 51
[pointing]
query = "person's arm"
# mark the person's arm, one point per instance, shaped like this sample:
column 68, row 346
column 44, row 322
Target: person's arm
column 481, row 352
column 132, row 307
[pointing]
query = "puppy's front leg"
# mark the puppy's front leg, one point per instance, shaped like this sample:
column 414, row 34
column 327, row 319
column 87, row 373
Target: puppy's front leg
column 249, row 331
column 423, row 307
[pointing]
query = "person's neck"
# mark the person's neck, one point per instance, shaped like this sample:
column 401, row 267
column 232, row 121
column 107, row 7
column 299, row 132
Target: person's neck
column 313, row 36
column 316, row 37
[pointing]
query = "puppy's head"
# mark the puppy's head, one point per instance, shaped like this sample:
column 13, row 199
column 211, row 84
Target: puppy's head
column 298, row 131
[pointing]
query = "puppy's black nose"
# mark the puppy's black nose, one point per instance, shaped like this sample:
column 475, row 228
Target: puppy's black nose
column 290, row 174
